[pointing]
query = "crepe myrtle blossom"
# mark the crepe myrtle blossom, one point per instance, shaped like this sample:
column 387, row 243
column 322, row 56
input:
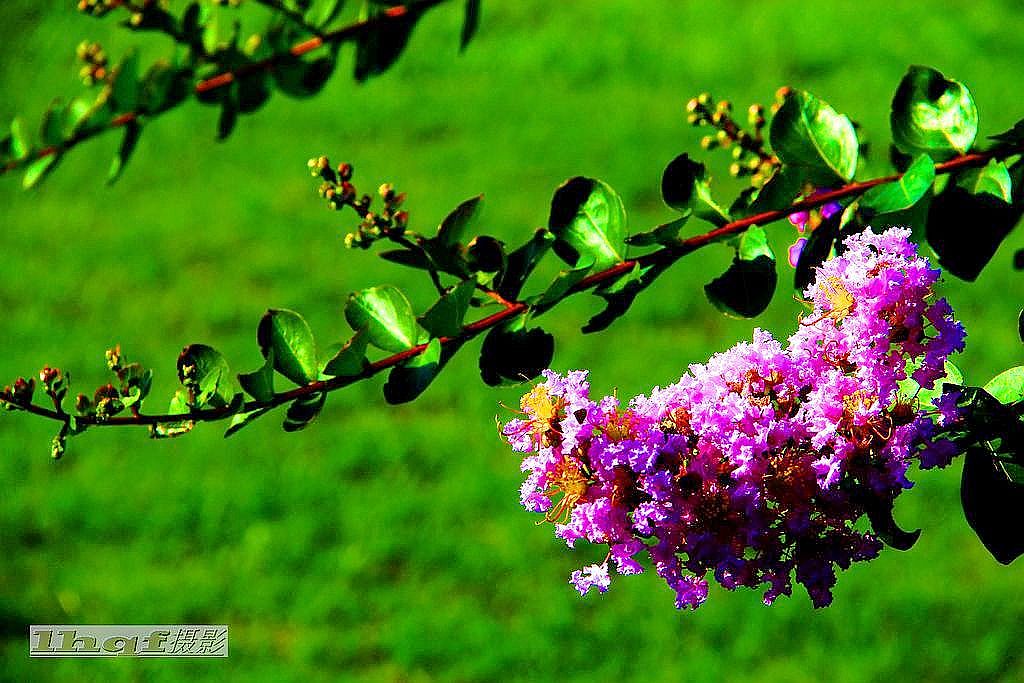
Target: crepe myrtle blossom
column 755, row 467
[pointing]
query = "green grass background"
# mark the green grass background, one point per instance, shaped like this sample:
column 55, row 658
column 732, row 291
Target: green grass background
column 386, row 543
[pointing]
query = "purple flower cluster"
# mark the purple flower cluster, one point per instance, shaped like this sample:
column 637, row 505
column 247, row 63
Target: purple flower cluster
column 756, row 466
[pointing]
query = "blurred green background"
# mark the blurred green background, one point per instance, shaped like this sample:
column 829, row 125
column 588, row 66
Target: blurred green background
column 386, row 543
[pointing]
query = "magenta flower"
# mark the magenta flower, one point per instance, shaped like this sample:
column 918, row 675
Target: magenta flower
column 756, row 467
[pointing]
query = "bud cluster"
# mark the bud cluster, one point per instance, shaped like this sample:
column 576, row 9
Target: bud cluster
column 758, row 466
column 95, row 68
column 337, row 188
column 749, row 154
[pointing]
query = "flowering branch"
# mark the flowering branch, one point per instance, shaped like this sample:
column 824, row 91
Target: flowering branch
column 510, row 309
column 240, row 84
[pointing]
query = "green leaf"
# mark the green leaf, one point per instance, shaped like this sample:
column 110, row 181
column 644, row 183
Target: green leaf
column 1008, row 386
column 470, row 23
column 684, row 187
column 205, row 373
column 411, row 378
column 132, row 131
column 304, row 410
column 809, row 133
column 513, row 353
column 125, row 92
column 52, row 129
column 20, row 143
column 260, row 383
column 993, row 178
column 746, row 288
column 178, row 406
column 38, row 170
column 323, row 12
column 240, row 420
column 903, row 193
column 444, row 319
column 287, row 335
column 386, row 315
column 522, row 261
column 350, row 360
column 452, row 230
column 933, row 115
column 666, row 233
column 563, row 282
column 993, row 504
column 589, row 220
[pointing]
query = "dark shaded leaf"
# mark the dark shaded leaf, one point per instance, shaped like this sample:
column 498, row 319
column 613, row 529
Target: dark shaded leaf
column 589, row 221
column 240, row 420
column 412, row 377
column 885, row 526
column 933, row 115
column 288, row 336
column 125, row 91
column 993, row 504
column 406, row 257
column 808, row 133
column 299, row 78
column 619, row 295
column 747, row 287
column 684, row 187
column 452, row 230
column 965, row 230
column 522, row 261
column 350, row 359
column 444, row 318
column 132, row 131
column 781, row 190
column 51, row 131
column 379, row 47
column 260, row 383
column 302, row 411
column 515, row 354
column 228, row 113
column 816, row 251
column 470, row 23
